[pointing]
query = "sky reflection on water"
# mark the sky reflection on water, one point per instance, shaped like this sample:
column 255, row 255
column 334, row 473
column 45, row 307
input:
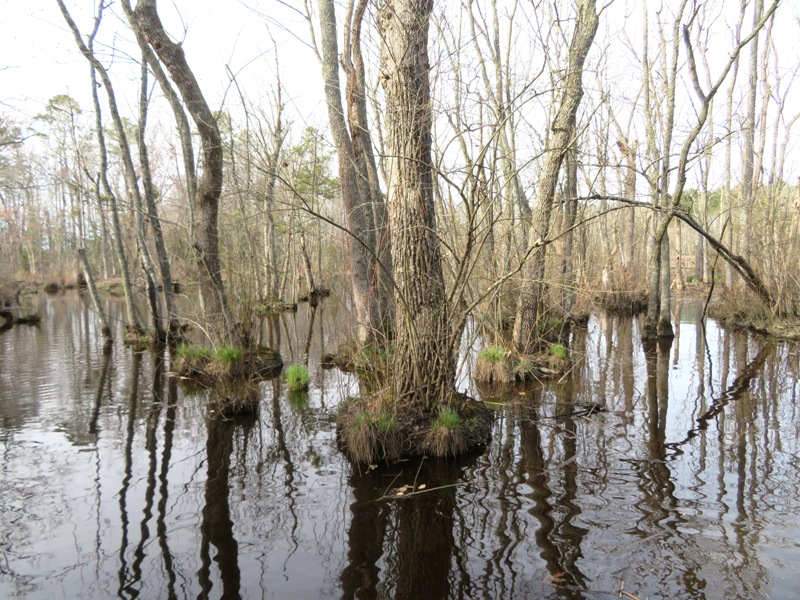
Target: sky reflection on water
column 666, row 470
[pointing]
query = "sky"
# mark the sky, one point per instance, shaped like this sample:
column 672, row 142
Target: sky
column 39, row 58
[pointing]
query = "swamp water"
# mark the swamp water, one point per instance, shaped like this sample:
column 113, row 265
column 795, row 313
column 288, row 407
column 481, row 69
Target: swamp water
column 666, row 471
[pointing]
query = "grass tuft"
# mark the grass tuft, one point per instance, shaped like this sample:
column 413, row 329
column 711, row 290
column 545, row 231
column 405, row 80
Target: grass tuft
column 447, row 418
column 492, row 354
column 385, row 423
column 229, row 354
column 493, row 366
column 558, row 350
column 297, row 377
column 193, row 353
column 446, row 435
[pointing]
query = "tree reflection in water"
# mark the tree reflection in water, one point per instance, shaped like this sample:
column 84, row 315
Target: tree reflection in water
column 669, row 469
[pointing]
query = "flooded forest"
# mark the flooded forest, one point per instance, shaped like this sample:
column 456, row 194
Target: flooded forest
column 488, row 299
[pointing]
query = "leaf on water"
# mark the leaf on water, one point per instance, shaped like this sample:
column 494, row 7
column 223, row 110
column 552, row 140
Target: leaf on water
column 402, row 490
column 555, row 578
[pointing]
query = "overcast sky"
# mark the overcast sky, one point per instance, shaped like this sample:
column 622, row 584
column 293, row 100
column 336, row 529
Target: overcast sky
column 40, row 58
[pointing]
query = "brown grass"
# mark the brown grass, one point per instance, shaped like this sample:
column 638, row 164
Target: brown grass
column 621, row 301
column 494, row 371
column 234, row 399
column 445, row 441
column 739, row 309
column 364, row 436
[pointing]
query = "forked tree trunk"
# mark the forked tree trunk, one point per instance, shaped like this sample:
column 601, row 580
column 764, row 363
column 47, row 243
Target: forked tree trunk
column 423, row 364
column 657, row 322
column 563, row 133
column 369, row 182
column 358, row 213
column 209, row 187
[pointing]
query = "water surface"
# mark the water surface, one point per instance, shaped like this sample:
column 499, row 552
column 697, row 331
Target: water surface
column 665, row 471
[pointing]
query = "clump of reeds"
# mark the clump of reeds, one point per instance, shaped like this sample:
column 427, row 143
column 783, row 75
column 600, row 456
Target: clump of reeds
column 493, row 366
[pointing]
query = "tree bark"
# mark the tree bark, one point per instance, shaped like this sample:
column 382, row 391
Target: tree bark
column 563, row 133
column 423, row 364
column 97, row 68
column 209, row 186
column 357, row 206
column 356, row 98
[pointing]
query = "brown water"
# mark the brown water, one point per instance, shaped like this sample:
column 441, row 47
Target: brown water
column 114, row 483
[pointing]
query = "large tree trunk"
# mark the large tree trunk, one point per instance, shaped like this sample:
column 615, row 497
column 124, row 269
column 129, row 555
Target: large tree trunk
column 209, row 187
column 563, row 133
column 424, row 366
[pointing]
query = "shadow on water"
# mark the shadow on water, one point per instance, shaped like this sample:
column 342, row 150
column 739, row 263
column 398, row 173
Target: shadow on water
column 417, row 528
column 664, row 470
column 217, row 527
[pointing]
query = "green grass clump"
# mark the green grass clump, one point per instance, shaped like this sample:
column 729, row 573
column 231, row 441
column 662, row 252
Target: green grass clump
column 448, row 418
column 194, row 353
column 361, row 419
column 369, row 358
column 558, row 350
column 492, row 354
column 229, row 354
column 385, row 422
column 554, row 323
column 297, row 377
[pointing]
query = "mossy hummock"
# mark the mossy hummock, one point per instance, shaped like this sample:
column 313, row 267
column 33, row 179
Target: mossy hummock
column 377, row 428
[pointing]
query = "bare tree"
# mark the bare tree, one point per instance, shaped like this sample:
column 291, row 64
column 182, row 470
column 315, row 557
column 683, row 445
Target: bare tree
column 98, row 68
column 563, row 134
column 147, row 23
column 370, row 259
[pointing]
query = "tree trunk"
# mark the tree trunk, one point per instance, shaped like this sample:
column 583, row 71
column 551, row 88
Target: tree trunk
column 96, row 301
column 423, row 364
column 209, row 186
column 358, row 208
column 563, row 133
column 152, row 211
column 96, row 67
column 272, row 291
column 570, row 213
column 747, row 187
column 366, row 166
